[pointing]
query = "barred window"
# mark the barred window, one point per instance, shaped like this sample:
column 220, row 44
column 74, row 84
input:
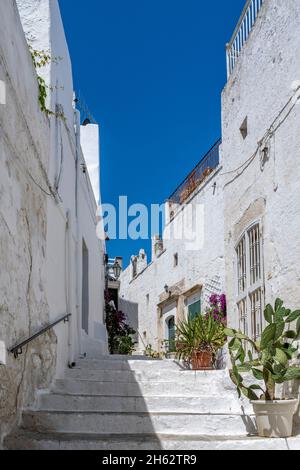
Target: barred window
column 250, row 286
column 241, row 254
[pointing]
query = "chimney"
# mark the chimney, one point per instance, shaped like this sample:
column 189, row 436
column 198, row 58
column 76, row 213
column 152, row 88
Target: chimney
column 119, row 260
column 157, row 246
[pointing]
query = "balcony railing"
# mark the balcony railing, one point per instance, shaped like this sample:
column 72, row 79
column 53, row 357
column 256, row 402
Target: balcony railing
column 242, row 32
column 197, row 176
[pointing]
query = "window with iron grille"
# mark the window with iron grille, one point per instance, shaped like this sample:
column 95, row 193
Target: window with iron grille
column 250, row 288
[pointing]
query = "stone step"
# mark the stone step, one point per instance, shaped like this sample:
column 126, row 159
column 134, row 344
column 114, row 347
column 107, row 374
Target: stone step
column 138, row 423
column 52, row 441
column 130, row 363
column 81, row 403
column 188, row 388
column 121, row 357
column 160, row 375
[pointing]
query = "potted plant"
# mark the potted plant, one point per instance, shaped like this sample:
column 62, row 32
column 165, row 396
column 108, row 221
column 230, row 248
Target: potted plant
column 269, row 361
column 198, row 341
column 125, row 345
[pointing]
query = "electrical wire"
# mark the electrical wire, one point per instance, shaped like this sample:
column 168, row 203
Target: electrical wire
column 23, row 167
column 267, row 134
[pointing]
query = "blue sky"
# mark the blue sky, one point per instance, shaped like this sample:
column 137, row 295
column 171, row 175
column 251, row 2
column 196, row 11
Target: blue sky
column 151, row 72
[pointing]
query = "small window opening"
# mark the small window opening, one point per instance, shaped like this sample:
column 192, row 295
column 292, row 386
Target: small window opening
column 244, row 128
column 175, row 260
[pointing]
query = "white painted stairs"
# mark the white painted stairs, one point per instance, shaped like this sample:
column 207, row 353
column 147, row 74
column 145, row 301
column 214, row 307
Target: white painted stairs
column 133, row 403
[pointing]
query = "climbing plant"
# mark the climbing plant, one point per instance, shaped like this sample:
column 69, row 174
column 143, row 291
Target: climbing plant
column 41, row 58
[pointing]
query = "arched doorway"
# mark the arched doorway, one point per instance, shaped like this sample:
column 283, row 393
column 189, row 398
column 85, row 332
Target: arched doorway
column 171, row 334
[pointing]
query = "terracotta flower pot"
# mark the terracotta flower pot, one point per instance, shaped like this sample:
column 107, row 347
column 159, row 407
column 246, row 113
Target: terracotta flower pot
column 202, row 360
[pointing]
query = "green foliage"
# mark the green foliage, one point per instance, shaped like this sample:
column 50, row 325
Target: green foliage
column 149, row 352
column 41, row 59
column 124, row 345
column 119, row 332
column 199, row 334
column 271, row 355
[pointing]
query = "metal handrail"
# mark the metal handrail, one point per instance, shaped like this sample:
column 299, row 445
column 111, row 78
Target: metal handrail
column 208, row 163
column 17, row 350
column 242, row 31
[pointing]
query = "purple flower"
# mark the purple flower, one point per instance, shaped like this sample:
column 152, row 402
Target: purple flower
column 218, row 307
column 214, row 299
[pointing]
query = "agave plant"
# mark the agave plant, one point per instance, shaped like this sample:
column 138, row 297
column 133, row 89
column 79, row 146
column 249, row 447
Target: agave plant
column 199, row 334
column 269, row 358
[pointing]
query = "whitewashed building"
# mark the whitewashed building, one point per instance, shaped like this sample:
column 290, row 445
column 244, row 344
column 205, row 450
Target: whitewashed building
column 52, row 263
column 261, row 165
column 181, row 276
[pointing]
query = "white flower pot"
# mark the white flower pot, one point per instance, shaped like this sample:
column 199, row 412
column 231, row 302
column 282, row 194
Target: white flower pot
column 275, row 418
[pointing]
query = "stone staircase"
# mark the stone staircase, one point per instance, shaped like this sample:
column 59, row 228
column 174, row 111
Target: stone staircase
column 120, row 403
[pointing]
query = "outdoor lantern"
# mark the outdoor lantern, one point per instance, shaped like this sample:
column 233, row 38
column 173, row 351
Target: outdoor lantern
column 117, row 270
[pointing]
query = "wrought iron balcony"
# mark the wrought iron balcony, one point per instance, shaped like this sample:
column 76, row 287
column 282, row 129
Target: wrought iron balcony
column 242, row 32
column 206, row 166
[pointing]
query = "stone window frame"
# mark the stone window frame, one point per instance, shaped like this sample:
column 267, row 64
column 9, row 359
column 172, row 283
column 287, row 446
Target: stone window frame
column 249, row 276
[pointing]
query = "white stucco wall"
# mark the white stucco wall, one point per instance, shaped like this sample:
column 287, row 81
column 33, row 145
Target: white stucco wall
column 87, row 231
column 89, row 139
column 204, row 266
column 76, row 196
column 24, row 158
column 42, row 229
column 260, row 86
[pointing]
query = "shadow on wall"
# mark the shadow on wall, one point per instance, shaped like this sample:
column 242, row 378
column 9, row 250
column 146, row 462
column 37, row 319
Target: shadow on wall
column 131, row 310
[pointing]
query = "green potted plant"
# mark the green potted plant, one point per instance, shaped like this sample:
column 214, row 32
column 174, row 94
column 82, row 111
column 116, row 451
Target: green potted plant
column 269, row 361
column 198, row 341
column 125, row 345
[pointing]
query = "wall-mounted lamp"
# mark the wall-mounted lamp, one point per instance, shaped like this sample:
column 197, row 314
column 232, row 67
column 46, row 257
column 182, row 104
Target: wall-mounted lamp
column 83, row 168
column 117, row 270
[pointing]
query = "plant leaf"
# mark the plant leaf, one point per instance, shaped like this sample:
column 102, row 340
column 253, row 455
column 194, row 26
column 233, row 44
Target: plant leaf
column 268, row 335
column 281, row 357
column 249, row 393
column 280, row 325
column 237, row 376
column 290, row 334
column 278, row 304
column 258, row 374
column 234, row 344
column 293, row 316
column 269, row 313
column 229, row 332
column 256, row 387
column 298, row 327
column 293, row 373
column 244, row 368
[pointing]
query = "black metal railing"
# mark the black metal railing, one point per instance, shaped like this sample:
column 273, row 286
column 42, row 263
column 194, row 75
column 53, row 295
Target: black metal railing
column 17, row 350
column 204, row 168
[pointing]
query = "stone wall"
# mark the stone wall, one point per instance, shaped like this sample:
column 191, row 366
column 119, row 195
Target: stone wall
column 24, row 158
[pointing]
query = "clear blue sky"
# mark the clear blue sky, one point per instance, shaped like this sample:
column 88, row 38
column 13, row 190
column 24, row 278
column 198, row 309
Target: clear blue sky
column 151, row 72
